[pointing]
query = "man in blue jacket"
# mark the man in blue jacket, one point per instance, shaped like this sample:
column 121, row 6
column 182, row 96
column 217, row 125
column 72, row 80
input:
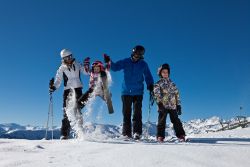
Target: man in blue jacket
column 135, row 70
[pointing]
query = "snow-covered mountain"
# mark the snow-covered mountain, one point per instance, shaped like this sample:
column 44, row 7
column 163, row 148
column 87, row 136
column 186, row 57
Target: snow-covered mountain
column 100, row 131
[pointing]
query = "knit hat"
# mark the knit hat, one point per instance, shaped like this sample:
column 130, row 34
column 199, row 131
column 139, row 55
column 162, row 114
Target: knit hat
column 162, row 67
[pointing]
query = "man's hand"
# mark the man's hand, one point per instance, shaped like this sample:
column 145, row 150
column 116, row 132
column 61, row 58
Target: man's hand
column 106, row 58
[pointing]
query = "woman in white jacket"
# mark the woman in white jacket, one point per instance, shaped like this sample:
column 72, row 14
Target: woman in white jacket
column 69, row 72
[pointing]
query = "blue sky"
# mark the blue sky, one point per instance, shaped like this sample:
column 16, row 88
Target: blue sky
column 206, row 43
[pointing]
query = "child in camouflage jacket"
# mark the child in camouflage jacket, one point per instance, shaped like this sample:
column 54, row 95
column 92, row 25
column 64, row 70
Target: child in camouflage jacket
column 168, row 101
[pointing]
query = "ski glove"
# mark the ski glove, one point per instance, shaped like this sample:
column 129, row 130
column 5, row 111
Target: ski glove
column 103, row 74
column 106, row 58
column 160, row 106
column 86, row 61
column 178, row 109
column 86, row 64
column 150, row 87
column 52, row 88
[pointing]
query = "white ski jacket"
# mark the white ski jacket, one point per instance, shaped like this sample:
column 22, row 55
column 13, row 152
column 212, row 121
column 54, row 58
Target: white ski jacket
column 70, row 75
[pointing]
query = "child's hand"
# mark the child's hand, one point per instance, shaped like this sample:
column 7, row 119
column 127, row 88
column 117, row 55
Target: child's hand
column 86, row 64
column 86, row 61
column 178, row 109
column 160, row 106
column 103, row 74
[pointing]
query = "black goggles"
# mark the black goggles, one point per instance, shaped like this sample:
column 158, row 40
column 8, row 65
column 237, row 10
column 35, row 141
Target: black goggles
column 137, row 56
column 67, row 58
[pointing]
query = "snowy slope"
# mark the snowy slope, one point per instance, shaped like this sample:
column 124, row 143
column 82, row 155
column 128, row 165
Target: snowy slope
column 216, row 149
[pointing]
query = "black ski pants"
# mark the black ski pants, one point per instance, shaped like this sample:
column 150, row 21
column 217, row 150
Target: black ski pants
column 84, row 98
column 178, row 128
column 127, row 102
column 65, row 128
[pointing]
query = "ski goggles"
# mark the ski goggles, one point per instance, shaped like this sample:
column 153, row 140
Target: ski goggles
column 97, row 63
column 137, row 56
column 139, row 53
column 67, row 58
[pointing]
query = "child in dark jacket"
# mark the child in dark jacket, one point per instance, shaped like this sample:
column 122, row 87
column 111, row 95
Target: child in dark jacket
column 168, row 101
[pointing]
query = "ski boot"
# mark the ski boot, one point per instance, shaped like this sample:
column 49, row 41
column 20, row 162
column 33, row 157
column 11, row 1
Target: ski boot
column 64, row 137
column 182, row 138
column 136, row 136
column 125, row 138
column 160, row 139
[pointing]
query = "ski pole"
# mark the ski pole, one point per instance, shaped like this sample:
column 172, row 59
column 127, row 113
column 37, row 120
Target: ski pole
column 47, row 124
column 151, row 102
column 50, row 113
column 52, row 119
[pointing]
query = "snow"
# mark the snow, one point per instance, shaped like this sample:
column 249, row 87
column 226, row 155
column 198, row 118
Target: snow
column 225, row 148
column 99, row 145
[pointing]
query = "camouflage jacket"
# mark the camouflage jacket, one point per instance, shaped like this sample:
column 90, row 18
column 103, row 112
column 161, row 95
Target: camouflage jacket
column 166, row 92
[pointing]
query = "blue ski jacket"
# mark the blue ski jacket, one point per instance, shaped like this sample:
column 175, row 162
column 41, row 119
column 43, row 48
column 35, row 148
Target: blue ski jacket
column 134, row 75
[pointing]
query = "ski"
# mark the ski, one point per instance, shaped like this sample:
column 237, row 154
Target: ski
column 107, row 95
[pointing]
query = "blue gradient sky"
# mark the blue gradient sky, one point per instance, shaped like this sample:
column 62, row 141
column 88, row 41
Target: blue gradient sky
column 206, row 43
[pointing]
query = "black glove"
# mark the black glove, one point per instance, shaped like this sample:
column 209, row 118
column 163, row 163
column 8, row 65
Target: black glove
column 86, row 61
column 52, row 88
column 106, row 58
column 150, row 87
column 86, row 64
column 178, row 109
column 103, row 74
column 160, row 106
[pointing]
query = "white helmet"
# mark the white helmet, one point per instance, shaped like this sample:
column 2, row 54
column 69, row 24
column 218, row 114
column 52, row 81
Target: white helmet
column 65, row 53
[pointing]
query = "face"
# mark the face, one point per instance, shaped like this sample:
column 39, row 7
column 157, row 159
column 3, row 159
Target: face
column 136, row 57
column 67, row 59
column 97, row 69
column 164, row 73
